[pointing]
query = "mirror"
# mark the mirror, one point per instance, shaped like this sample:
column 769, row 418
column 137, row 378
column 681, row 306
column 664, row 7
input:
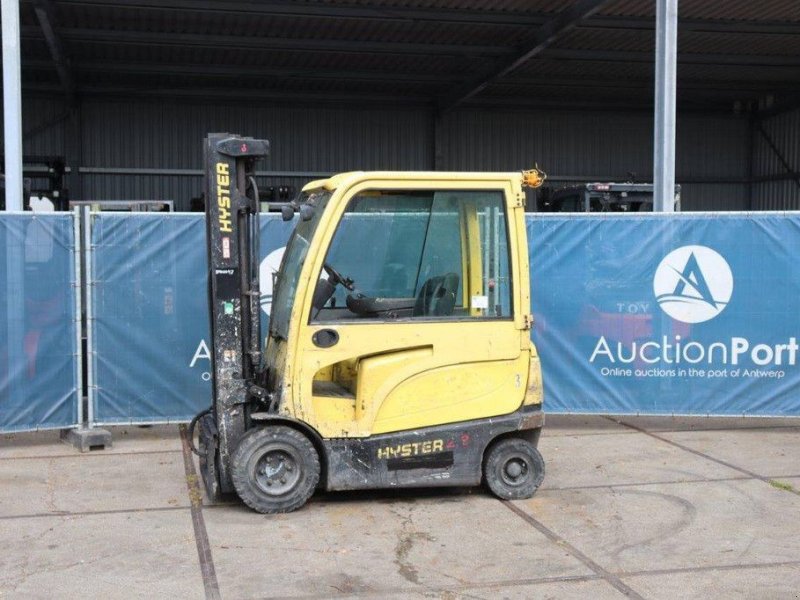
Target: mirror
column 287, row 212
column 306, row 212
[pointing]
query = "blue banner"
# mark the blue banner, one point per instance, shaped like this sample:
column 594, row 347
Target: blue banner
column 688, row 314
column 38, row 337
column 685, row 314
column 150, row 314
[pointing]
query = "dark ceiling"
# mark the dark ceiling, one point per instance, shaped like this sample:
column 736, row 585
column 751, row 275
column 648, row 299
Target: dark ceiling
column 732, row 55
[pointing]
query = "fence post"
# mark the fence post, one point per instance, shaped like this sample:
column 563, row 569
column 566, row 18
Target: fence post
column 77, row 286
column 87, row 436
column 88, row 271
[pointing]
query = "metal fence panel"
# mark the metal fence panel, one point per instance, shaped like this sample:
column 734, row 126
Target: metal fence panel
column 688, row 314
column 39, row 349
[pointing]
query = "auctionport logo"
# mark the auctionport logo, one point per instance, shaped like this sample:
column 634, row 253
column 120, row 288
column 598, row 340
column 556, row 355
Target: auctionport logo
column 693, row 284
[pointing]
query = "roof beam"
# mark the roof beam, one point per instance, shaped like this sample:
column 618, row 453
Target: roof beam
column 106, row 36
column 548, row 33
column 291, row 8
column 699, row 59
column 462, row 15
column 150, row 38
column 242, row 95
column 44, row 126
column 44, row 14
column 617, row 82
column 154, row 68
column 777, row 152
column 643, row 104
column 351, row 99
column 698, row 25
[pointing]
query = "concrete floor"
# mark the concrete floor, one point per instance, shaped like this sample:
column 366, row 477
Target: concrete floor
column 646, row 507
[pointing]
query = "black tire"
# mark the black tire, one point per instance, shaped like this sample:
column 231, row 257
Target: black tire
column 275, row 469
column 513, row 469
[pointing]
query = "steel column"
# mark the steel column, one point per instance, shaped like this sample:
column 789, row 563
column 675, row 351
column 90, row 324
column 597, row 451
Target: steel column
column 12, row 105
column 664, row 117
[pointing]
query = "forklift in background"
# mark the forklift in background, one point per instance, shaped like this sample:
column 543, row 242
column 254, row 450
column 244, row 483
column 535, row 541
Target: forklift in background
column 44, row 183
column 398, row 352
column 626, row 197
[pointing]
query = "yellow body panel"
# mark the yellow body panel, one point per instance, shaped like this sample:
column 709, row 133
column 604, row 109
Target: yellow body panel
column 403, row 352
column 474, row 391
column 380, row 375
column 333, row 410
column 534, row 394
column 473, row 261
column 410, row 373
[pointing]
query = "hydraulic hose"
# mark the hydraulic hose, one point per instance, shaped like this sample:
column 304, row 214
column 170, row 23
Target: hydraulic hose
column 192, row 425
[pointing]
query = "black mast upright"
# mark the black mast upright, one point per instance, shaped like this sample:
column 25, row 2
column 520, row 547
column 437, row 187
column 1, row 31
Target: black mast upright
column 232, row 206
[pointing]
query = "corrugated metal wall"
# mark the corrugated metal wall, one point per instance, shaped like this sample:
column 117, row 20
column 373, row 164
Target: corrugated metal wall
column 39, row 137
column 711, row 153
column 153, row 149
column 161, row 136
column 776, row 146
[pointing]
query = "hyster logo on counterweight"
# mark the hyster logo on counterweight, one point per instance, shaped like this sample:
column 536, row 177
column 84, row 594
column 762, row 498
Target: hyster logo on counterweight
column 693, row 284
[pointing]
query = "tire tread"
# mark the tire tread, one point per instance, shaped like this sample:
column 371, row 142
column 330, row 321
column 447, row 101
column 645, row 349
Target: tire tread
column 250, row 443
column 494, row 455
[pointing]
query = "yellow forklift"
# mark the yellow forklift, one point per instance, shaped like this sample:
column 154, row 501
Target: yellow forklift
column 398, row 353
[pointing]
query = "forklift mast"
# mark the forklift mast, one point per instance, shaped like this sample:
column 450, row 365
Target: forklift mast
column 232, row 238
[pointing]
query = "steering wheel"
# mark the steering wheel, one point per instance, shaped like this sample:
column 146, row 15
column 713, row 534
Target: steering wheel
column 337, row 277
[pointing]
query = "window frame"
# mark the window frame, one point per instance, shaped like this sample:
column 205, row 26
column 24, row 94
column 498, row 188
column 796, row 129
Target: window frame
column 352, row 194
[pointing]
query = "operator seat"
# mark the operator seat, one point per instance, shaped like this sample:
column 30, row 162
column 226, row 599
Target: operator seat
column 437, row 296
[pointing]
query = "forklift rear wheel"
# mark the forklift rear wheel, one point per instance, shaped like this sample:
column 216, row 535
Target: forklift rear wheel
column 275, row 469
column 513, row 469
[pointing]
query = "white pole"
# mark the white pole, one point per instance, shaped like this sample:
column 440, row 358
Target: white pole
column 12, row 105
column 78, row 296
column 664, row 117
column 88, row 280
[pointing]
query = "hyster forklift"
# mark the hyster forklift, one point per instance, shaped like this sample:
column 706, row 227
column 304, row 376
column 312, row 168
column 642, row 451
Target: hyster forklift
column 398, row 352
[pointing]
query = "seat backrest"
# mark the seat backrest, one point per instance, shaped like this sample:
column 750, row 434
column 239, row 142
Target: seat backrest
column 437, row 296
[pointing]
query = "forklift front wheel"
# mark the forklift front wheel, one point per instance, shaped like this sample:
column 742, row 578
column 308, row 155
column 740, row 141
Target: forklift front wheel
column 513, row 468
column 275, row 469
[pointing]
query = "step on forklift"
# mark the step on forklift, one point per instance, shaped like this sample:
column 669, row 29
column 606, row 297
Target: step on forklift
column 398, row 353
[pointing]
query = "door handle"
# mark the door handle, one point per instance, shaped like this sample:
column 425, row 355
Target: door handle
column 325, row 338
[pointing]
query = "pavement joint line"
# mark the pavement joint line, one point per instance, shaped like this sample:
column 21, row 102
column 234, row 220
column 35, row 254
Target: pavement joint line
column 92, row 513
column 554, row 432
column 210, row 583
column 609, row 577
column 222, row 504
column 728, row 567
column 643, row 483
column 551, row 434
column 478, row 585
column 713, row 429
column 100, row 454
column 685, row 448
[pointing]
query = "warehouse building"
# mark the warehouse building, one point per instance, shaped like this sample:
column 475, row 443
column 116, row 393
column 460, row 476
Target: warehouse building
column 125, row 90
